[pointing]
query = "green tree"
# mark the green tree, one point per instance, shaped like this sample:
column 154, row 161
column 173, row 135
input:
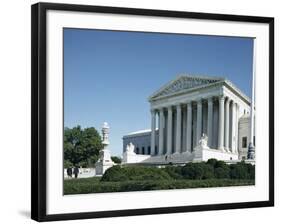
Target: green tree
column 81, row 146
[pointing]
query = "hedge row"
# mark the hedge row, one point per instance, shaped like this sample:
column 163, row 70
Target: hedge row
column 212, row 169
column 90, row 185
column 137, row 173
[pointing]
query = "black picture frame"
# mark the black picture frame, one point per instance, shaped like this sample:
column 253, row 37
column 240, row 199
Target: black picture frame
column 39, row 122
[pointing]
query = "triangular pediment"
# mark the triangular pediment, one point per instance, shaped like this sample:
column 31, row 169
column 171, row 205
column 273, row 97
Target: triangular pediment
column 184, row 83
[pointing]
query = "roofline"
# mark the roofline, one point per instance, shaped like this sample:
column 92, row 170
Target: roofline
column 187, row 90
column 236, row 89
column 184, row 75
column 133, row 134
column 223, row 82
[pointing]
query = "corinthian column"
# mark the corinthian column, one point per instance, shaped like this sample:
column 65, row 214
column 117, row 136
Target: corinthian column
column 199, row 121
column 233, row 126
column 169, row 130
column 221, row 123
column 161, row 131
column 226, row 131
column 237, row 128
column 178, row 134
column 153, row 124
column 210, row 121
column 189, row 127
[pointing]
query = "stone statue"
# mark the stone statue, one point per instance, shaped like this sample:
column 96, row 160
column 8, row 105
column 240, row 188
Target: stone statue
column 203, row 141
column 130, row 148
column 200, row 148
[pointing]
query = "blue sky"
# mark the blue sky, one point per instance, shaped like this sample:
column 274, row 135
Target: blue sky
column 108, row 75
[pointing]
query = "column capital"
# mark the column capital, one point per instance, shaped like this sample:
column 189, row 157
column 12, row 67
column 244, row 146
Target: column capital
column 210, row 99
column 221, row 97
column 170, row 107
column 227, row 100
column 189, row 102
column 159, row 109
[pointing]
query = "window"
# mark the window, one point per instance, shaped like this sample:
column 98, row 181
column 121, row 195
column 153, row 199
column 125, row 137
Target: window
column 137, row 150
column 148, row 149
column 244, row 142
column 142, row 151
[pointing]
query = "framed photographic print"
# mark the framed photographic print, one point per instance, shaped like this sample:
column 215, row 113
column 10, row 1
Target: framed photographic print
column 140, row 111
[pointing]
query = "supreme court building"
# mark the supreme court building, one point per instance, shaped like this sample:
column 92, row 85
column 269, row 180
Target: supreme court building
column 193, row 118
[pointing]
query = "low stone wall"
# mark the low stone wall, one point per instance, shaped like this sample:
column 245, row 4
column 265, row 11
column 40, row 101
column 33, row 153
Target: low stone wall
column 134, row 158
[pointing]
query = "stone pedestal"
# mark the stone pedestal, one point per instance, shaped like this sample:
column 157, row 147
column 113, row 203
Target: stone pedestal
column 202, row 152
column 104, row 161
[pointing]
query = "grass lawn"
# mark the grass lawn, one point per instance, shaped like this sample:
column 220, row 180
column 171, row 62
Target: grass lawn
column 94, row 185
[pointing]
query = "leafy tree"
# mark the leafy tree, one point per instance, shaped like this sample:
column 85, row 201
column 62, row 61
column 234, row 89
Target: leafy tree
column 116, row 159
column 67, row 163
column 81, row 146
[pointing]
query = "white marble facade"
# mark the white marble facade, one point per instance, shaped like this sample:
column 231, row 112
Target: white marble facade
column 185, row 109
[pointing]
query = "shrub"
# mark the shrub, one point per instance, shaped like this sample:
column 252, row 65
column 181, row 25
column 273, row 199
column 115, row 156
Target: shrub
column 116, row 159
column 175, row 172
column 220, row 164
column 198, row 171
column 195, row 171
column 242, row 170
column 221, row 173
column 212, row 162
column 114, row 174
column 118, row 173
column 251, row 171
column 93, row 185
column 221, row 169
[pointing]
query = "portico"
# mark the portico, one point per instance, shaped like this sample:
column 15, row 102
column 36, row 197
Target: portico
column 209, row 106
